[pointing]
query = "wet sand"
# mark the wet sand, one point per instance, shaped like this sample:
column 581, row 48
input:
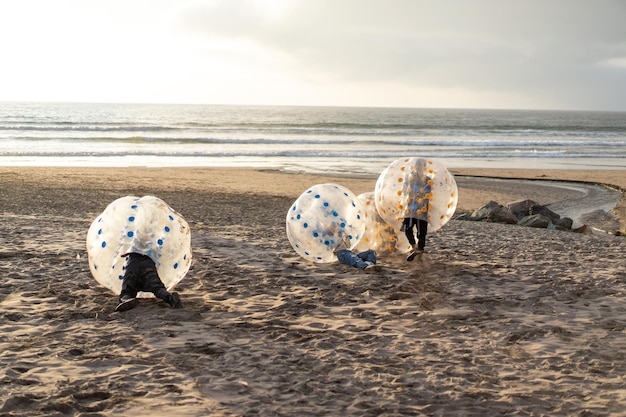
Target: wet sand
column 492, row 320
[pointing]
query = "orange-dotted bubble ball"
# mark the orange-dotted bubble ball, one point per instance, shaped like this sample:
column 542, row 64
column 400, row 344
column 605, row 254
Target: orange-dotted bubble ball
column 416, row 187
column 378, row 234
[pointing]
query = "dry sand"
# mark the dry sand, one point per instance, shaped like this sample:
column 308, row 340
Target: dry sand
column 493, row 320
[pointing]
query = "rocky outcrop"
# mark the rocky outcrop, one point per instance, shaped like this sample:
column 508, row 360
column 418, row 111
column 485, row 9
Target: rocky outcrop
column 524, row 213
column 584, row 229
column 521, row 208
column 493, row 212
column 564, row 223
column 535, row 220
column 600, row 219
column 544, row 211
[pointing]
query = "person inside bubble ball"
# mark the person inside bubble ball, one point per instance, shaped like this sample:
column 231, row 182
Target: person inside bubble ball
column 141, row 275
column 420, row 209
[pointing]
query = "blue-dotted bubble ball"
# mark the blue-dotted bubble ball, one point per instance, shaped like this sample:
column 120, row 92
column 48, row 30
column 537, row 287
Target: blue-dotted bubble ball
column 145, row 225
column 326, row 217
column 416, row 187
column 378, row 234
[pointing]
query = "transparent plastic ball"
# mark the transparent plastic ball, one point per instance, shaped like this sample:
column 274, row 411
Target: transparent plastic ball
column 416, row 187
column 378, row 234
column 326, row 217
column 145, row 225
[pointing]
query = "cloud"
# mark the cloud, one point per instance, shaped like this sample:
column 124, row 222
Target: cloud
column 545, row 49
column 617, row 62
column 450, row 53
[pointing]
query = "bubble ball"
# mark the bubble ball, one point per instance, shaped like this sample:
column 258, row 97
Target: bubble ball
column 324, row 218
column 416, row 187
column 378, row 234
column 145, row 225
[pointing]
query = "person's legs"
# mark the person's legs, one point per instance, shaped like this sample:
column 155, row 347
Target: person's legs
column 347, row 257
column 368, row 256
column 407, row 226
column 422, row 229
column 154, row 285
column 130, row 284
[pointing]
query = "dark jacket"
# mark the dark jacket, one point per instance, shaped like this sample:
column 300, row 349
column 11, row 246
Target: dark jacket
column 138, row 261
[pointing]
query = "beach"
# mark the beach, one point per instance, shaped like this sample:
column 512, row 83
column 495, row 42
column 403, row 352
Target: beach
column 493, row 319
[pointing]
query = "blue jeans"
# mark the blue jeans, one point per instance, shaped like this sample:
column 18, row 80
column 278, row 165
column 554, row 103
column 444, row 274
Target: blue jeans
column 359, row 260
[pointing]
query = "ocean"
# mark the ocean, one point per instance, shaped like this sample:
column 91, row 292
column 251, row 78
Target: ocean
column 336, row 140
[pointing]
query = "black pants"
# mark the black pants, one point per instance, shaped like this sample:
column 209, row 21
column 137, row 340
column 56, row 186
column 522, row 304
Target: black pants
column 422, row 228
column 144, row 279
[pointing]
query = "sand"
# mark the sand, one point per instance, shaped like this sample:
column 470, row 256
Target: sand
column 492, row 320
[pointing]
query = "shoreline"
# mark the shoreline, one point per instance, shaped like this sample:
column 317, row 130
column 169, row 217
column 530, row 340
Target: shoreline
column 279, row 183
column 56, row 175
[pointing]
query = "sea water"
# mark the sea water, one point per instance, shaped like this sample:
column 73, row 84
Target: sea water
column 311, row 139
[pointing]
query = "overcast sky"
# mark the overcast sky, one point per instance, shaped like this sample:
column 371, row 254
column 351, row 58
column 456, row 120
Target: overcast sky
column 539, row 54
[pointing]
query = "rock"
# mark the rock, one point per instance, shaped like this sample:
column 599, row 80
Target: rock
column 584, row 229
column 493, row 212
column 535, row 220
column 543, row 210
column 521, row 208
column 601, row 219
column 483, row 212
column 504, row 215
column 564, row 223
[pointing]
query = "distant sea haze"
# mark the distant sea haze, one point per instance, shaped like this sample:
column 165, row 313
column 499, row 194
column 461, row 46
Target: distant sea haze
column 310, row 139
